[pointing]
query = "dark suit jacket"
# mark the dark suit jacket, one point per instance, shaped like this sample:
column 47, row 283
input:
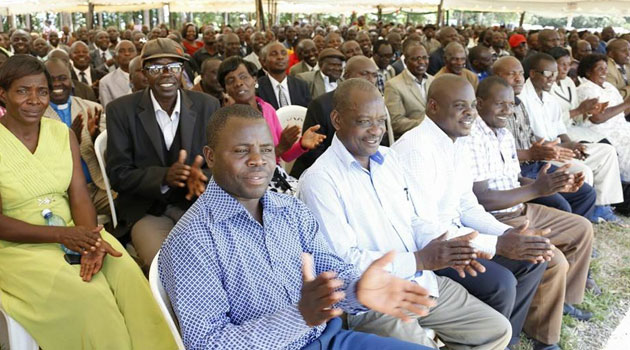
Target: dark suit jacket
column 398, row 66
column 96, row 74
column 83, row 91
column 136, row 164
column 97, row 59
column 318, row 113
column 298, row 91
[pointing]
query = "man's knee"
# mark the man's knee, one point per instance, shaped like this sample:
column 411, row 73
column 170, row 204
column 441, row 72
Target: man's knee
column 558, row 263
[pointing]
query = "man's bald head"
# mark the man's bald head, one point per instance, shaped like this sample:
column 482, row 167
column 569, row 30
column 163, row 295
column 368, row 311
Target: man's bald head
column 57, row 63
column 511, row 70
column 619, row 51
column 451, row 104
column 455, row 58
column 582, row 49
column 361, row 67
column 548, row 39
column 60, row 54
column 447, row 35
column 342, row 98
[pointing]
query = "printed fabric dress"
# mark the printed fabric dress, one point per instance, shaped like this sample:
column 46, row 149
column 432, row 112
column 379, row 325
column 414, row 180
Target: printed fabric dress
column 39, row 289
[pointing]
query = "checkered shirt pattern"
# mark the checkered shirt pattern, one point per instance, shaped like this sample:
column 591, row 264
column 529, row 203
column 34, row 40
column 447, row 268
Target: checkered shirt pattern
column 520, row 128
column 494, row 159
column 235, row 284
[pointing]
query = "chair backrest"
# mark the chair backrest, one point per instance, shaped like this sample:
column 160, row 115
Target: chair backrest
column 291, row 115
column 100, row 146
column 164, row 303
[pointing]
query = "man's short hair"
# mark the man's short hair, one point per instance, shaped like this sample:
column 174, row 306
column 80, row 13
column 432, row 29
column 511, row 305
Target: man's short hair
column 535, row 60
column 207, row 62
column 486, row 85
column 220, row 118
column 475, row 52
column 379, row 43
column 341, row 100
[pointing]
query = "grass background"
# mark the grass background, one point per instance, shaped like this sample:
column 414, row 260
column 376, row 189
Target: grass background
column 611, row 271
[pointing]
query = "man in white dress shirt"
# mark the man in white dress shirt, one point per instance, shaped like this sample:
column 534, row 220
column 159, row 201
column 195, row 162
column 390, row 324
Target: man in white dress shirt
column 597, row 161
column 360, row 195
column 116, row 83
column 438, row 161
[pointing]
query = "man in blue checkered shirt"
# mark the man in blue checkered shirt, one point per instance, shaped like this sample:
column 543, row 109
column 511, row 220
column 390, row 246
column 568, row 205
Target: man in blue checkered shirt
column 231, row 266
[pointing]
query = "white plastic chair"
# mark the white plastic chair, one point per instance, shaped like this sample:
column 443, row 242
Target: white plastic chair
column 100, row 146
column 19, row 339
column 163, row 301
column 289, row 116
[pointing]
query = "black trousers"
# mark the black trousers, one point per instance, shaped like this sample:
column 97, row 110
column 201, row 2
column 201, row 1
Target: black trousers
column 581, row 202
column 507, row 286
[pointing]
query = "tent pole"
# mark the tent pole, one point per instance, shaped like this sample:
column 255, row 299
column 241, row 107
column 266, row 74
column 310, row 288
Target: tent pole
column 89, row 18
column 260, row 16
column 520, row 22
column 439, row 18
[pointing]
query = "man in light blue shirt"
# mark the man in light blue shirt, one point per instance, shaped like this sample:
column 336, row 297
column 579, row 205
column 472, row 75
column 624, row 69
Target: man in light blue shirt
column 360, row 195
column 231, row 265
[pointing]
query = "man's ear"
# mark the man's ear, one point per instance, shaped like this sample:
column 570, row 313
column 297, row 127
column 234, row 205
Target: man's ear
column 335, row 118
column 431, row 105
column 208, row 154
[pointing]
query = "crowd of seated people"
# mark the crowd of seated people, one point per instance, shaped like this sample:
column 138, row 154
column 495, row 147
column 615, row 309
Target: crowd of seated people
column 467, row 227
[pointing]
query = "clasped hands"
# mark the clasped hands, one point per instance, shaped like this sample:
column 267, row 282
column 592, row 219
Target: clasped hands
column 92, row 247
column 182, row 175
column 457, row 253
column 377, row 289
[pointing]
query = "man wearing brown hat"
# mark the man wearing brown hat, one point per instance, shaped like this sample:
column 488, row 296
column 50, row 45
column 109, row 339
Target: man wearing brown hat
column 325, row 78
column 154, row 157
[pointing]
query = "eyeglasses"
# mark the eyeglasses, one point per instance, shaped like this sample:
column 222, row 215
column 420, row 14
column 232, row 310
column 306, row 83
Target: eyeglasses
column 157, row 69
column 548, row 73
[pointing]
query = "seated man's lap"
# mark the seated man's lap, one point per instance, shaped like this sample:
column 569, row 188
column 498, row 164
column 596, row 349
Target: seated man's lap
column 336, row 338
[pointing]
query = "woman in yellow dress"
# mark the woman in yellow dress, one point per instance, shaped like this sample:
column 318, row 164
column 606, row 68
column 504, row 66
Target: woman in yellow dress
column 102, row 303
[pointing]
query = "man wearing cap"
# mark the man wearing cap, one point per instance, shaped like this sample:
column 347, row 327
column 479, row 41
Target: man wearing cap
column 324, row 79
column 154, row 149
column 518, row 44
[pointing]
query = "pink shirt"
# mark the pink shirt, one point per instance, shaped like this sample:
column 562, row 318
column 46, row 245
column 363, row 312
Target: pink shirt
column 276, row 130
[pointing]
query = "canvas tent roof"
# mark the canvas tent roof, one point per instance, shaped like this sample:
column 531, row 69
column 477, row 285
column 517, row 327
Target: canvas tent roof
column 551, row 8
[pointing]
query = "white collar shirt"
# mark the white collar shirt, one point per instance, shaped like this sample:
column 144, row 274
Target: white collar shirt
column 328, row 85
column 168, row 123
column 88, row 75
column 545, row 115
column 441, row 178
column 363, row 213
column 285, row 87
column 422, row 86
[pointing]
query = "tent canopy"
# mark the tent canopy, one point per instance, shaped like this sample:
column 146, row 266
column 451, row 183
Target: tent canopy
column 550, row 8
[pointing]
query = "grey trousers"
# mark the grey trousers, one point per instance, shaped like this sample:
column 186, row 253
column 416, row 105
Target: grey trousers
column 459, row 319
column 149, row 232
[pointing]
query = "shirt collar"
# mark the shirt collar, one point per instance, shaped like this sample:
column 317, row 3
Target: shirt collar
column 230, row 207
column 123, row 72
column 326, row 79
column 530, row 92
column 275, row 83
column 157, row 107
column 61, row 107
column 488, row 131
column 348, row 159
column 424, row 77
